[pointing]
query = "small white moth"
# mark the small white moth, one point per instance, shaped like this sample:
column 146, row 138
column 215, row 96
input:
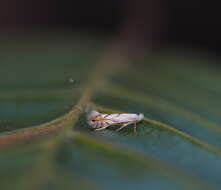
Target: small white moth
column 100, row 121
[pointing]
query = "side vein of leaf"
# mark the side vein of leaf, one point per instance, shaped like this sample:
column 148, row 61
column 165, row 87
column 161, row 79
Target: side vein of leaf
column 44, row 168
column 178, row 88
column 149, row 162
column 44, row 164
column 48, row 128
column 51, row 92
column 169, row 128
column 163, row 105
column 203, row 76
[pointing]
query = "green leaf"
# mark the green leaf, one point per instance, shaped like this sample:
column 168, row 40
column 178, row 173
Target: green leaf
column 46, row 143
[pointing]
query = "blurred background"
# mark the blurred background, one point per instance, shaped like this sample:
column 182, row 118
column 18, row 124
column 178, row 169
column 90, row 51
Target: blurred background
column 190, row 23
column 39, row 83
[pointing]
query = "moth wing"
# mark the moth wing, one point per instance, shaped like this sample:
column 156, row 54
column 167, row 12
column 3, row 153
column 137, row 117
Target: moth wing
column 122, row 118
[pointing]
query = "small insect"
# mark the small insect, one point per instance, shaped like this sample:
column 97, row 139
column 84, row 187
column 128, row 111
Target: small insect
column 100, row 121
column 71, row 80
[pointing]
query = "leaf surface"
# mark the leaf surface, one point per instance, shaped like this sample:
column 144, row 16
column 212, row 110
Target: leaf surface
column 46, row 143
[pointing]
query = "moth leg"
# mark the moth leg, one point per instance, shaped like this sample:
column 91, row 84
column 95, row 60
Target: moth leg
column 101, row 128
column 96, row 125
column 135, row 127
column 124, row 125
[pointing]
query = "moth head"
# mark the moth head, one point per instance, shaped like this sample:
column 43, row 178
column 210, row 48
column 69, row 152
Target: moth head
column 90, row 117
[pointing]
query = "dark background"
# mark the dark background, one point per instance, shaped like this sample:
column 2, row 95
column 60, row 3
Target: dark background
column 191, row 23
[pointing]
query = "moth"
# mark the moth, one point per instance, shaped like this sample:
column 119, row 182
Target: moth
column 100, row 121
